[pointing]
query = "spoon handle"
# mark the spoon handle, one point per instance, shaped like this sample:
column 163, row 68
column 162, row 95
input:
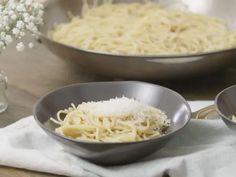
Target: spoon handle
column 208, row 112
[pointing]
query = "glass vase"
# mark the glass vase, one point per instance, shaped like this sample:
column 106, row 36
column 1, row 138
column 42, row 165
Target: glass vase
column 3, row 94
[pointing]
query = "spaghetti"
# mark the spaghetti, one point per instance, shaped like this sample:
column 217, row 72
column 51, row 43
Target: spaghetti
column 115, row 120
column 144, row 29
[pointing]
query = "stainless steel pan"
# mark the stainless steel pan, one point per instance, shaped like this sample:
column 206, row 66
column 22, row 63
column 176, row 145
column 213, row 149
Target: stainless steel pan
column 136, row 66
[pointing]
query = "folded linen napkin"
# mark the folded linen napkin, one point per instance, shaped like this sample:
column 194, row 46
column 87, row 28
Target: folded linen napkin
column 204, row 148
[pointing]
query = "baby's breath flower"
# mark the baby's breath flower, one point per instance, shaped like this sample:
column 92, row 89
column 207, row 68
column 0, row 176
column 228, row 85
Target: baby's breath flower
column 11, row 12
column 40, row 13
column 13, row 7
column 20, row 8
column 2, row 36
column 22, row 34
column 31, row 45
column 8, row 39
column 2, row 44
column 17, row 18
column 20, row 24
column 20, row 46
column 15, row 31
column 14, row 17
column 28, row 2
column 5, row 17
column 7, row 28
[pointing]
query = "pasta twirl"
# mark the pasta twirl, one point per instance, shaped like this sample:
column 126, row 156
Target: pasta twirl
column 115, row 120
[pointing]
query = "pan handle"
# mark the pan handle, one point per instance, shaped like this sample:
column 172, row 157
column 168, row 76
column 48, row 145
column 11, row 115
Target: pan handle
column 206, row 113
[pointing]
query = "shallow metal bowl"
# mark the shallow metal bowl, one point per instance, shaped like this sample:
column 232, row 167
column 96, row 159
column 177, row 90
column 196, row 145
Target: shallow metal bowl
column 226, row 106
column 137, row 66
column 174, row 105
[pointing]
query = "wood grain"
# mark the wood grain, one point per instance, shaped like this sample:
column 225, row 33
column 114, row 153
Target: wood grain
column 35, row 72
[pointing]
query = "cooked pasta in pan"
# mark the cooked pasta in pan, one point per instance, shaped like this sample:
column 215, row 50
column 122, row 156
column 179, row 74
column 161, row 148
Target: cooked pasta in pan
column 143, row 29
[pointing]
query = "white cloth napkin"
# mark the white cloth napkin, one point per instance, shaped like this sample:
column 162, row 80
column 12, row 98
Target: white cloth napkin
column 202, row 149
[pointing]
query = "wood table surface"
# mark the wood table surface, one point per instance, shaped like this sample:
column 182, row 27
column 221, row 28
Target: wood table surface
column 35, row 72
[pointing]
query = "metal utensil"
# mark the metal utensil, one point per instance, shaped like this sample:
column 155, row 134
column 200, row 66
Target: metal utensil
column 137, row 66
column 226, row 106
column 206, row 113
column 174, row 105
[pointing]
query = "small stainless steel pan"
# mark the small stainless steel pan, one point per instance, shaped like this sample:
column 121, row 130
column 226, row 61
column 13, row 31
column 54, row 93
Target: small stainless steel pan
column 224, row 108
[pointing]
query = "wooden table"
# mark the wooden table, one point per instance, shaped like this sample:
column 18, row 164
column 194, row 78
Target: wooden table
column 34, row 72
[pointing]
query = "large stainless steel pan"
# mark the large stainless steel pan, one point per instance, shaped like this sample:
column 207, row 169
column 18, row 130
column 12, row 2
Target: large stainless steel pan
column 142, row 67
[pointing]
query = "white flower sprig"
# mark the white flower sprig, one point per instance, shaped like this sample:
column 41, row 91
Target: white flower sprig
column 17, row 18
